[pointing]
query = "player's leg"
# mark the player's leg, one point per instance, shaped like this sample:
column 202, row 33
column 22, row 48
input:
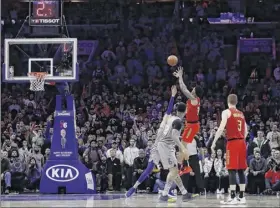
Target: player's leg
column 142, row 177
column 232, row 166
column 190, row 131
column 188, row 136
column 241, row 170
column 169, row 161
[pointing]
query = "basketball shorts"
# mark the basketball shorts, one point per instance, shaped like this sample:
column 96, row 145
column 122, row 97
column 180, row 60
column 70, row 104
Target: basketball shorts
column 154, row 156
column 191, row 129
column 236, row 155
column 167, row 155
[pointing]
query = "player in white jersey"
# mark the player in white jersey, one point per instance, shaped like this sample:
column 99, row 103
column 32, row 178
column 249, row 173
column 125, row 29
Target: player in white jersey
column 166, row 149
column 154, row 156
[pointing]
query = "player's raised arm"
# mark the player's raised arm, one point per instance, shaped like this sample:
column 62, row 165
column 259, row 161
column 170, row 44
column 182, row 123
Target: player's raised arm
column 183, row 87
column 225, row 115
column 171, row 101
column 169, row 110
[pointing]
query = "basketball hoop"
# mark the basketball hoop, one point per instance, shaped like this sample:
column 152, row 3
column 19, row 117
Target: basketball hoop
column 37, row 81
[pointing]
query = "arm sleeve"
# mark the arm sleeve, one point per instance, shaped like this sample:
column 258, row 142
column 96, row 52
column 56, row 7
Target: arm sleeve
column 170, row 106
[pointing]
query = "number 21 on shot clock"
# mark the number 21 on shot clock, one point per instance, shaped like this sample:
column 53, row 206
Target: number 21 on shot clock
column 45, row 13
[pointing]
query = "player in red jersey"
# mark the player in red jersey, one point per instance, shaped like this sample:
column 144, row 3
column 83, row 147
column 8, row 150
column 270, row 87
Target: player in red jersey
column 192, row 125
column 234, row 122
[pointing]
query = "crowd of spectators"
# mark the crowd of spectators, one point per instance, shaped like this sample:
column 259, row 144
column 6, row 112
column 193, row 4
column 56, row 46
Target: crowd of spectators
column 121, row 98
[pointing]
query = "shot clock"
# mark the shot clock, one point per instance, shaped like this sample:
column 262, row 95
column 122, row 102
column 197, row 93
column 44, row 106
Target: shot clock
column 45, row 12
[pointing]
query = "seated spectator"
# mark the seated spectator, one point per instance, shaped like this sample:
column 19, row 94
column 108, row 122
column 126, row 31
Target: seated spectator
column 271, row 161
column 250, row 157
column 18, row 171
column 118, row 155
column 161, row 180
column 261, row 143
column 87, row 163
column 272, row 176
column 33, row 175
column 102, row 175
column 274, row 137
column 5, row 173
column 257, row 170
column 222, row 172
column 114, row 171
column 140, row 164
column 210, row 175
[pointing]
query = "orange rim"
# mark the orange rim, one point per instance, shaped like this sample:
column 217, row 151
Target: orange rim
column 38, row 75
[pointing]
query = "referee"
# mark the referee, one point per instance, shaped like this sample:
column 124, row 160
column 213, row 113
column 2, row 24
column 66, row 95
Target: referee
column 194, row 162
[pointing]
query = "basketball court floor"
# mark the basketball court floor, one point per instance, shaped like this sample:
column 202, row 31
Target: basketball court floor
column 118, row 200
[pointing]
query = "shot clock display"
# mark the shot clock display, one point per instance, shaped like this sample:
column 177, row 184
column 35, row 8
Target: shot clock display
column 45, row 13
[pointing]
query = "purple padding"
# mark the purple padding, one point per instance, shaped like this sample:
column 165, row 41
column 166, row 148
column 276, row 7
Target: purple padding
column 64, row 169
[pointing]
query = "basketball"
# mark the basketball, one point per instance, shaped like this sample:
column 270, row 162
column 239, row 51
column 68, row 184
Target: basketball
column 172, row 60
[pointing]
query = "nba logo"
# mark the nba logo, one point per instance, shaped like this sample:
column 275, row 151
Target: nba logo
column 63, row 124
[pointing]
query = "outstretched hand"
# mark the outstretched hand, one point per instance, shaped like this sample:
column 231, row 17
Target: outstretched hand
column 179, row 72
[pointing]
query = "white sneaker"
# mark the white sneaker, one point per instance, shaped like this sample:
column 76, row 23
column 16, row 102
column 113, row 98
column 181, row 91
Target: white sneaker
column 241, row 200
column 218, row 191
column 230, row 201
column 222, row 191
column 169, row 195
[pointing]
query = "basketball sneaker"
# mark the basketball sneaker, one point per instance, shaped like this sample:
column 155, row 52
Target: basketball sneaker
column 130, row 192
column 187, row 197
column 170, row 193
column 241, row 200
column 230, row 201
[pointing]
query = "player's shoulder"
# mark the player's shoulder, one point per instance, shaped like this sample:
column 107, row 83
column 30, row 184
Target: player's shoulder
column 194, row 102
column 226, row 112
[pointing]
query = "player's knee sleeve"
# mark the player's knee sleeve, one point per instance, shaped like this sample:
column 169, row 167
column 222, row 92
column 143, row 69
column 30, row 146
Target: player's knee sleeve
column 241, row 176
column 232, row 177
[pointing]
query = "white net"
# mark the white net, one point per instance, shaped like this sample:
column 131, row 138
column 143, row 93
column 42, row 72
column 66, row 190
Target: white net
column 37, row 81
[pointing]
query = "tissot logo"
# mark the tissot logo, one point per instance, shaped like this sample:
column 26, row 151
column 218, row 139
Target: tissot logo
column 62, row 173
column 46, row 21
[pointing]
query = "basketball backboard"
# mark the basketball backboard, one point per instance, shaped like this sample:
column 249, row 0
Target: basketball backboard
column 55, row 56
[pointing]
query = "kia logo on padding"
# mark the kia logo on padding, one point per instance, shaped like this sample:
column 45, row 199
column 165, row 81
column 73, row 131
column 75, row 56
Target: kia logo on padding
column 62, row 173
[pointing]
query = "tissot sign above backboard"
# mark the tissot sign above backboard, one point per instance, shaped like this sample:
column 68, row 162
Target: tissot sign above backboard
column 45, row 21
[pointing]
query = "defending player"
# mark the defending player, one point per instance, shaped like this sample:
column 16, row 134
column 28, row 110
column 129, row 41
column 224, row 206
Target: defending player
column 192, row 125
column 236, row 132
column 154, row 156
column 166, row 149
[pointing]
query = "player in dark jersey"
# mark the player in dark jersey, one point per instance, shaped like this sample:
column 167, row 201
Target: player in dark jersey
column 234, row 122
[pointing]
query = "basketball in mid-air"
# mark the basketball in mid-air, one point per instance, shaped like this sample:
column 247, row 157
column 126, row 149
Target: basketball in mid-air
column 172, row 60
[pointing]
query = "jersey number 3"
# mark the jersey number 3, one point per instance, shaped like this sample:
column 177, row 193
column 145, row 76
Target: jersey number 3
column 239, row 125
